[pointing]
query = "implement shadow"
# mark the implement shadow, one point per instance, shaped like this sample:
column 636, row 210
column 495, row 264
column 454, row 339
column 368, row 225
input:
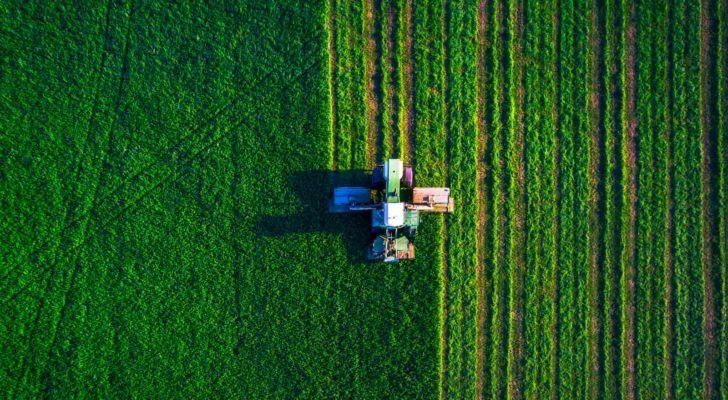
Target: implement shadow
column 313, row 189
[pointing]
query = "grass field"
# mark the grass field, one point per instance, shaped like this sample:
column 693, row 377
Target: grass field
column 164, row 170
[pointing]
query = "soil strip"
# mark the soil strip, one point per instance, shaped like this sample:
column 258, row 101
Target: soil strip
column 407, row 114
column 333, row 98
column 373, row 96
column 709, row 199
column 516, row 364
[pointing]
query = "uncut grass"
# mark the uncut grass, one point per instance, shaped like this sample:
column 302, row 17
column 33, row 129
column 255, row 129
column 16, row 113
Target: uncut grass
column 497, row 345
column 613, row 204
column 517, row 198
column 722, row 80
column 183, row 294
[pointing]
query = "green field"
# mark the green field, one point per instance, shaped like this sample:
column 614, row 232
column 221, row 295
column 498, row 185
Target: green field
column 164, row 171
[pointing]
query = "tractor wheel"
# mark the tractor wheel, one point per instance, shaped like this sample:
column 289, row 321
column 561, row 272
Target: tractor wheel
column 378, row 178
column 408, row 178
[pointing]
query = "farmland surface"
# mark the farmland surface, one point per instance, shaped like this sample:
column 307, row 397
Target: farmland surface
column 164, row 170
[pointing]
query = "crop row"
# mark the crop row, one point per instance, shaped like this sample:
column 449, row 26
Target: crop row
column 495, row 364
column 650, row 365
column 572, row 246
column 686, row 161
column 722, row 82
column 612, row 178
column 461, row 100
column 348, row 89
column 541, row 294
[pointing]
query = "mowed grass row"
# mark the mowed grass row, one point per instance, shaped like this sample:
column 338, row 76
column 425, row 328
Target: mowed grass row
column 573, row 191
column 430, row 151
column 158, row 279
column 496, row 327
column 461, row 106
column 541, row 159
column 651, row 238
column 686, row 161
column 388, row 16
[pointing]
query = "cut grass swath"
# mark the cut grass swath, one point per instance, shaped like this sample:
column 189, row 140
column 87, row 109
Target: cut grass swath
column 651, row 207
column 540, row 125
column 496, row 379
column 723, row 185
column 689, row 360
column 517, row 215
column 461, row 99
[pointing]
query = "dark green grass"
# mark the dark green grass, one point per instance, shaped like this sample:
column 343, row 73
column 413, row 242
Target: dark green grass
column 164, row 176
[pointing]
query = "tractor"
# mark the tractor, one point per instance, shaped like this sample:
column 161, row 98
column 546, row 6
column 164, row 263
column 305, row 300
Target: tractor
column 395, row 206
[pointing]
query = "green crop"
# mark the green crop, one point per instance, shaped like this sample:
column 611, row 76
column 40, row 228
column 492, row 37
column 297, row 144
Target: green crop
column 164, row 171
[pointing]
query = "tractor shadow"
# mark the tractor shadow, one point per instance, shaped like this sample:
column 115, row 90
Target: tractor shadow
column 313, row 189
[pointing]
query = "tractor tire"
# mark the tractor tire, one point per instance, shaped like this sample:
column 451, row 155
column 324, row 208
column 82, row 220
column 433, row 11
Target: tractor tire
column 378, row 178
column 408, row 178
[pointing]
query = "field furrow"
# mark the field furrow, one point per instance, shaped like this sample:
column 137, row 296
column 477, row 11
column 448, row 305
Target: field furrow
column 629, row 199
column 722, row 84
column 484, row 184
column 573, row 191
column 709, row 197
column 461, row 100
column 596, row 202
column 496, row 372
column 374, row 88
column 581, row 188
column 613, row 204
column 667, row 46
